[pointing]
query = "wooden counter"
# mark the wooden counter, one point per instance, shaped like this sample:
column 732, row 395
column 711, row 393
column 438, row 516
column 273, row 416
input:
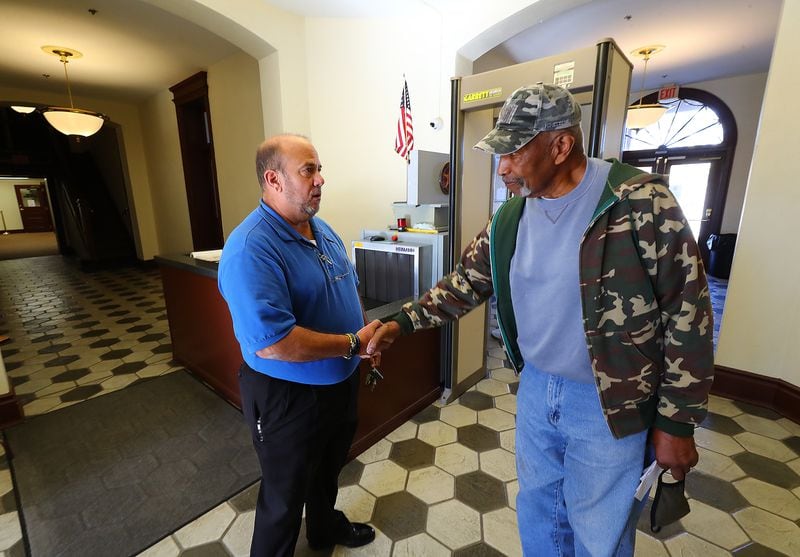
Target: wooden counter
column 203, row 342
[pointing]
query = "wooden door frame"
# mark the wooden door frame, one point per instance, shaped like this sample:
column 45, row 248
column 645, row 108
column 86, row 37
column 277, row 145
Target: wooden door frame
column 44, row 198
column 192, row 89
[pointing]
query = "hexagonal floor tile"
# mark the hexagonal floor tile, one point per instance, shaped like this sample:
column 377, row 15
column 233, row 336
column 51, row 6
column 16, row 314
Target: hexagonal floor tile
column 478, row 437
column 351, row 473
column 767, row 470
column 421, row 544
column 357, row 503
column 116, row 354
column 492, row 387
column 429, row 414
column 400, row 515
column 713, row 525
column 476, row 400
column 498, row 463
column 765, row 446
column 437, row 433
column 456, row 459
column 383, row 477
column 480, row 491
column 128, row 368
column 496, row 419
column 406, row 431
column 772, row 498
column 688, row 544
column 412, row 454
column 501, row 532
column 454, row 524
column 714, row 492
column 457, row 415
column 71, row 375
column 80, row 393
column 431, row 484
column 717, row 465
column 378, row 451
column 721, row 424
column 770, row 530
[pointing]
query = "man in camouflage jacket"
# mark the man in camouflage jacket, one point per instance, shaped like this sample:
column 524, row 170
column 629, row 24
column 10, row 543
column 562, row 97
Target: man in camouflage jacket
column 646, row 311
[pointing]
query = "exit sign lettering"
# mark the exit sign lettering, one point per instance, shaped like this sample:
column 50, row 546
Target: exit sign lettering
column 668, row 93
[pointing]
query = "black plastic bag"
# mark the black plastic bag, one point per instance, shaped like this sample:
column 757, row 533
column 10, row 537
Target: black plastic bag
column 669, row 503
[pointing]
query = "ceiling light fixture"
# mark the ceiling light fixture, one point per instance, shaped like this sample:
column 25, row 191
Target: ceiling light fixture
column 71, row 121
column 642, row 115
column 22, row 109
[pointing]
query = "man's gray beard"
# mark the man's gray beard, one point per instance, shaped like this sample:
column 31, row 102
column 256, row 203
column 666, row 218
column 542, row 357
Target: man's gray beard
column 524, row 191
column 310, row 211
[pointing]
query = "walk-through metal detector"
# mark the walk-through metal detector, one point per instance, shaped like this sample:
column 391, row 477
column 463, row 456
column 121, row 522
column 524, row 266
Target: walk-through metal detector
column 599, row 77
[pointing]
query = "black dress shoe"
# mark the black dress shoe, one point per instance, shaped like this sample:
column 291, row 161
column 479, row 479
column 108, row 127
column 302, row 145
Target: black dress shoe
column 354, row 534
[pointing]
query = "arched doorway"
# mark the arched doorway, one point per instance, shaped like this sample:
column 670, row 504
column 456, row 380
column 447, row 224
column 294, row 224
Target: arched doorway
column 693, row 142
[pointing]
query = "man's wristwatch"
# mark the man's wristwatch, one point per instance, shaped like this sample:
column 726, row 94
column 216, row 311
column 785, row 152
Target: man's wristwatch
column 355, row 345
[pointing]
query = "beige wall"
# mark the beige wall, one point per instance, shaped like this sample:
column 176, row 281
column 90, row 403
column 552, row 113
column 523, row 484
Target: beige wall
column 339, row 80
column 235, row 103
column 165, row 168
column 127, row 117
column 9, row 204
column 760, row 329
column 270, row 35
column 354, row 102
column 234, row 92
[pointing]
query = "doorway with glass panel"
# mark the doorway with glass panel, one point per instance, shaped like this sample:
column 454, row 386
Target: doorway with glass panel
column 692, row 143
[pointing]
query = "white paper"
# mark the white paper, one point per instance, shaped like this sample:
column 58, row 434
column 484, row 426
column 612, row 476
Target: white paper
column 647, row 480
column 208, row 255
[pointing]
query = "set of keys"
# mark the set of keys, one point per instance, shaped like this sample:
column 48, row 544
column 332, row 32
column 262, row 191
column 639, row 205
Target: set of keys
column 373, row 376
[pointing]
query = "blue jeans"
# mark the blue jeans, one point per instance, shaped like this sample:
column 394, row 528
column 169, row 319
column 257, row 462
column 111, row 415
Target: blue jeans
column 576, row 482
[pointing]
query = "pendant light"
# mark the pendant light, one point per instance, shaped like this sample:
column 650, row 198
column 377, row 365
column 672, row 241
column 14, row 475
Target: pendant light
column 71, row 121
column 642, row 115
column 22, row 109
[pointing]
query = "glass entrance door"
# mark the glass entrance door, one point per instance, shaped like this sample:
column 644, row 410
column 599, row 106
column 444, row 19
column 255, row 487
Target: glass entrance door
column 694, row 181
column 689, row 182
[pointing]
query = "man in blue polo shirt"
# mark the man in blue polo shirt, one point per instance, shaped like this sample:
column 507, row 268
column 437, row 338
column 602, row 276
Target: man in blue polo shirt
column 292, row 294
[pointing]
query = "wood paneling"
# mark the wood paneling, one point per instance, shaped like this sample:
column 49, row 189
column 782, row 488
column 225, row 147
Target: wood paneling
column 760, row 390
column 201, row 330
column 203, row 342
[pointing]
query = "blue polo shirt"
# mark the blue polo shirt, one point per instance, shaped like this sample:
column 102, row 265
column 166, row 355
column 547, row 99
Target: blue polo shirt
column 273, row 279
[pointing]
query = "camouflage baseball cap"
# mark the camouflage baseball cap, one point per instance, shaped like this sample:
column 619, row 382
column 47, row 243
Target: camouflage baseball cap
column 528, row 111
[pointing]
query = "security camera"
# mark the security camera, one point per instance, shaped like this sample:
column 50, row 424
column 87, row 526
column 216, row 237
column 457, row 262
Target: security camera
column 436, row 123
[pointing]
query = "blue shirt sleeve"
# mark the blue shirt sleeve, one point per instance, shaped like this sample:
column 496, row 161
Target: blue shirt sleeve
column 253, row 283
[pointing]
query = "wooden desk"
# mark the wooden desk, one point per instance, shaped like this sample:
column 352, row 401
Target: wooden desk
column 203, row 342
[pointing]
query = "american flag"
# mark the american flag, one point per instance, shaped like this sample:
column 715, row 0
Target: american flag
column 404, row 142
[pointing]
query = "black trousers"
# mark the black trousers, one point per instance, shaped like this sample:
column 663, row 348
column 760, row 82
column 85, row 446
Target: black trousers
column 301, row 434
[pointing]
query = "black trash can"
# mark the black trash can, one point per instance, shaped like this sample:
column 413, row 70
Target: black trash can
column 720, row 256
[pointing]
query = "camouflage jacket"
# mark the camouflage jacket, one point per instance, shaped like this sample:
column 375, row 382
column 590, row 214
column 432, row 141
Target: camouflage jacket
column 646, row 307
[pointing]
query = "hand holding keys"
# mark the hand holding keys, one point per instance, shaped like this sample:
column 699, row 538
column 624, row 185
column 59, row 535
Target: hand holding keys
column 373, row 377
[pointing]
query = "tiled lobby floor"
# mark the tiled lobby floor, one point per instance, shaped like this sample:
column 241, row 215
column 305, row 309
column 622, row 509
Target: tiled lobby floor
column 441, row 484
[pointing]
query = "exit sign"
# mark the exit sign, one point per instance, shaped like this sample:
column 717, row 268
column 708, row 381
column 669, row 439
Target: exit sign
column 668, row 93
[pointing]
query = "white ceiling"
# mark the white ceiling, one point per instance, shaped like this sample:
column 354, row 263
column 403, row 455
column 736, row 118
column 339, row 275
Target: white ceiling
column 133, row 49
column 704, row 39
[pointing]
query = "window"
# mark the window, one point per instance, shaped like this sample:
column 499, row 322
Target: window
column 686, row 123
